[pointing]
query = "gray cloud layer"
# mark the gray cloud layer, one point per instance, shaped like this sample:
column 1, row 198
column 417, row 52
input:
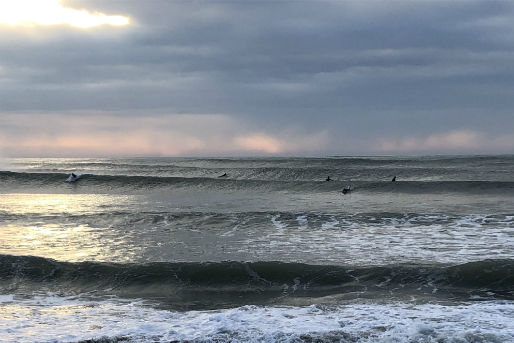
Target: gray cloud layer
column 367, row 76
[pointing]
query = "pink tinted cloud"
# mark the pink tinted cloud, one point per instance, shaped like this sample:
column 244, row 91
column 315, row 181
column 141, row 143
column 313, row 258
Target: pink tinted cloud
column 452, row 141
column 287, row 142
column 165, row 135
column 259, row 142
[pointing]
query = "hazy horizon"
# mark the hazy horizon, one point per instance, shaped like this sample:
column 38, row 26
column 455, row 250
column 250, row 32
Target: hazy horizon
column 284, row 156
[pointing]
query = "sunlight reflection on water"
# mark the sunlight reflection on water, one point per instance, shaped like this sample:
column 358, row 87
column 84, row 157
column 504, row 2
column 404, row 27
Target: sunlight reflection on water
column 66, row 240
column 62, row 203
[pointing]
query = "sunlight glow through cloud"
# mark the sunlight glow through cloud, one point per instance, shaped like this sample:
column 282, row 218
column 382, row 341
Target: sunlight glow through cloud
column 106, row 134
column 52, row 12
column 259, row 142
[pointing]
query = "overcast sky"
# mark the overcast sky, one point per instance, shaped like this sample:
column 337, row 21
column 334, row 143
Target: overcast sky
column 223, row 78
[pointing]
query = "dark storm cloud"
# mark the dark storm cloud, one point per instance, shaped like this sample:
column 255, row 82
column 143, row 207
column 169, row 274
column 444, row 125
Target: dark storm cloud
column 363, row 70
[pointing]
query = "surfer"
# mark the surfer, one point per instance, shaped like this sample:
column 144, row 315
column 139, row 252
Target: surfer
column 347, row 189
column 328, row 178
column 394, row 179
column 72, row 178
column 224, row 175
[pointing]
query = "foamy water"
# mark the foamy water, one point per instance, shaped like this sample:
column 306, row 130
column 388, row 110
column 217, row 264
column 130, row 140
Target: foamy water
column 51, row 318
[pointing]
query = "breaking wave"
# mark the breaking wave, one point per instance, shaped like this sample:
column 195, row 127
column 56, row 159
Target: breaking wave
column 187, row 284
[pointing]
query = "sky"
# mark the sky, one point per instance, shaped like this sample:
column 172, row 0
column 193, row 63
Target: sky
column 88, row 78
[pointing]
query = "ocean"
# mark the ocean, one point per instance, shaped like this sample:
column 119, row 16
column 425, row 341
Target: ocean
column 174, row 250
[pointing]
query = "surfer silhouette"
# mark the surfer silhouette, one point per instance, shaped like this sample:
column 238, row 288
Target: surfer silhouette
column 224, row 175
column 347, row 189
column 328, row 178
column 394, row 179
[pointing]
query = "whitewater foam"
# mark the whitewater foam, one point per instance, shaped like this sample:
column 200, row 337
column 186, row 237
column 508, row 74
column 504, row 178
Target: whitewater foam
column 49, row 318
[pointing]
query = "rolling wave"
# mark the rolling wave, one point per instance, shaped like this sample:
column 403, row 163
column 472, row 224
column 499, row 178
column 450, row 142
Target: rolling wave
column 187, row 283
column 56, row 180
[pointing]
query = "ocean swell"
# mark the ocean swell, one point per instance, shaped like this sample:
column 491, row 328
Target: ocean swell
column 106, row 182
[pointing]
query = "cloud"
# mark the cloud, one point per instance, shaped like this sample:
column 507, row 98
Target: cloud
column 106, row 134
column 343, row 73
column 447, row 142
column 287, row 143
column 259, row 142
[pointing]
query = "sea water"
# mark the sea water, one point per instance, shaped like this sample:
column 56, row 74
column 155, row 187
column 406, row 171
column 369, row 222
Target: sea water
column 164, row 249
